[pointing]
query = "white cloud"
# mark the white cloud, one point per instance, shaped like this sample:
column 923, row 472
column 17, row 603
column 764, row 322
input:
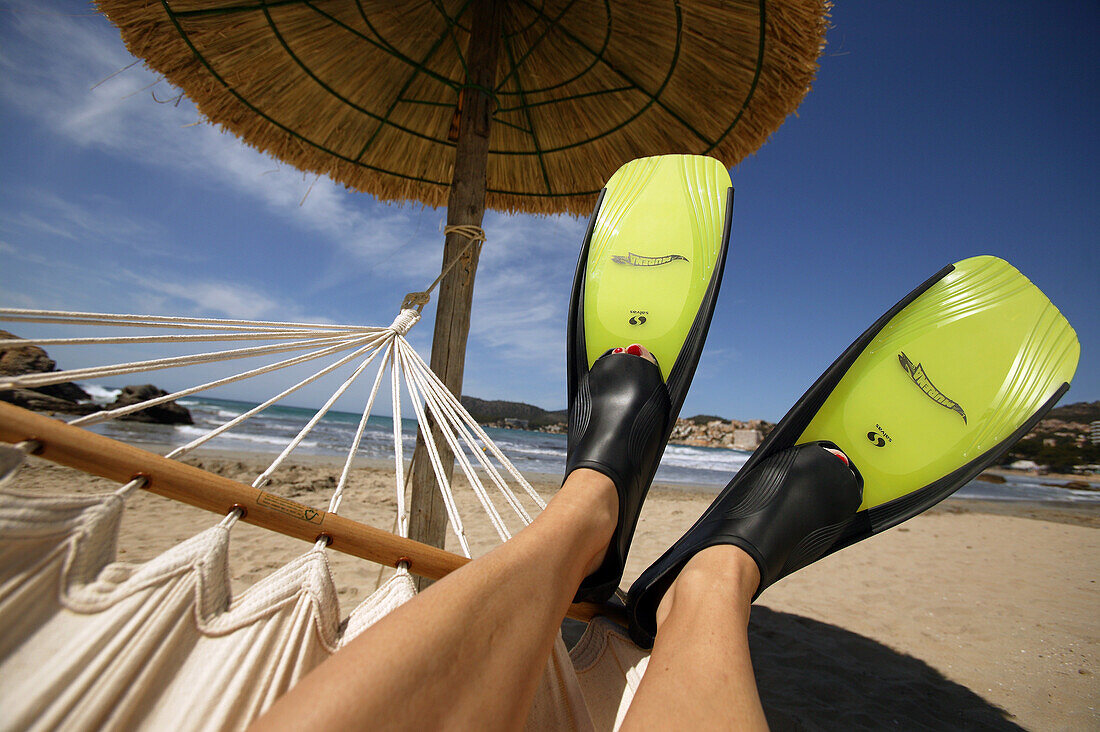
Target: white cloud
column 515, row 312
column 521, row 298
column 222, row 298
column 55, row 69
column 24, row 254
column 161, row 292
column 18, row 300
column 98, row 220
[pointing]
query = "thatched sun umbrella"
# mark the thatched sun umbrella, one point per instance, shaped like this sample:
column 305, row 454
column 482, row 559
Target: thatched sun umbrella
column 518, row 105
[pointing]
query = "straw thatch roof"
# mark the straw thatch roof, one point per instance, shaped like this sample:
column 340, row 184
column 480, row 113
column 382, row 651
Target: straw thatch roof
column 366, row 91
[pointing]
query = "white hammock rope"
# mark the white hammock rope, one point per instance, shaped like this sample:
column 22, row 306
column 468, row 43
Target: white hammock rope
column 442, row 403
column 106, row 415
column 265, row 476
column 455, row 405
column 437, row 410
column 338, row 494
column 261, row 407
column 431, row 402
column 398, row 449
column 162, row 321
column 436, row 461
column 58, row 377
column 117, row 340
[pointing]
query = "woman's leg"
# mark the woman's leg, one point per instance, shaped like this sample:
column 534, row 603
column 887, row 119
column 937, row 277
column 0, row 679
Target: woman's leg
column 699, row 674
column 468, row 652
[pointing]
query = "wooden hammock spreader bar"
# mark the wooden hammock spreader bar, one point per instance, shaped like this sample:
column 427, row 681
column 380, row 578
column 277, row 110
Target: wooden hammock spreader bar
column 118, row 461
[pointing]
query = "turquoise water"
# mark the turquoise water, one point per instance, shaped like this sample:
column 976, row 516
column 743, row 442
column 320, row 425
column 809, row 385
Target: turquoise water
column 270, row 431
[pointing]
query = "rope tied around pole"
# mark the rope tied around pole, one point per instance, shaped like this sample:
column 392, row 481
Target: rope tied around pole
column 404, row 321
column 476, row 235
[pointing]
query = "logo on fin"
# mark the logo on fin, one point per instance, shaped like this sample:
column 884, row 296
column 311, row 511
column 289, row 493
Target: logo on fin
column 916, row 373
column 638, row 260
column 878, row 436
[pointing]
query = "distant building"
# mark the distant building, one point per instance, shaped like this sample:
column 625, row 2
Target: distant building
column 746, row 439
column 1094, row 432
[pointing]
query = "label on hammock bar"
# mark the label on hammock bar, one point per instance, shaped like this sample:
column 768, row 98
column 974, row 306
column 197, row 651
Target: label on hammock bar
column 289, row 507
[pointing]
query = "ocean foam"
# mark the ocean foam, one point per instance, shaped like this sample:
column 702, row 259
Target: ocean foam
column 257, row 439
column 100, row 394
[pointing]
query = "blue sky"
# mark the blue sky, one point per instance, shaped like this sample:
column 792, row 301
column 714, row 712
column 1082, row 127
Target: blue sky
column 934, row 132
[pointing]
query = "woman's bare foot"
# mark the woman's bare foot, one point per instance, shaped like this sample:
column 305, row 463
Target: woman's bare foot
column 637, row 349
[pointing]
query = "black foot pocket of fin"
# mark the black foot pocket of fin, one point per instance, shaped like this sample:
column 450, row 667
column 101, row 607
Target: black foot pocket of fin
column 785, row 513
column 617, row 427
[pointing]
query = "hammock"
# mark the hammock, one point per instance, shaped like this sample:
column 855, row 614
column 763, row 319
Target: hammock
column 90, row 642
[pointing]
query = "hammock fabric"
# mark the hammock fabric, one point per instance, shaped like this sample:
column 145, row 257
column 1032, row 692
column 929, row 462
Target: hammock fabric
column 91, row 643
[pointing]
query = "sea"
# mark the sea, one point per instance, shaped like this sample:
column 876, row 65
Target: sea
column 531, row 452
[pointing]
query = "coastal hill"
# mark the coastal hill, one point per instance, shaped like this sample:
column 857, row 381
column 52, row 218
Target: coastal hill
column 1081, row 412
column 517, row 413
column 1061, row 439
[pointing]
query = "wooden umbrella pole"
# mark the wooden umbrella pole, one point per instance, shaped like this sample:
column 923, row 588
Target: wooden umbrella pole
column 465, row 206
column 102, row 456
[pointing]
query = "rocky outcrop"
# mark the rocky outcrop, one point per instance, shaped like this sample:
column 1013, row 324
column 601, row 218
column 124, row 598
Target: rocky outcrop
column 39, row 402
column 698, row 431
column 30, row 359
column 704, row 431
column 166, row 413
column 71, row 399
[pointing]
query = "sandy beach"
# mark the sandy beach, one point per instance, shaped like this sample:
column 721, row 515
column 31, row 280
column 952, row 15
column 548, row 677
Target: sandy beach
column 976, row 614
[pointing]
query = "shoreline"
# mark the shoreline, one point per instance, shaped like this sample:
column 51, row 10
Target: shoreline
column 242, row 462
column 1092, row 478
column 1065, row 511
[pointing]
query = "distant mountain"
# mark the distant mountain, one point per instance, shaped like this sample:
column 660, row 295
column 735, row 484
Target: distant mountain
column 1084, row 412
column 1061, row 439
column 495, row 410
